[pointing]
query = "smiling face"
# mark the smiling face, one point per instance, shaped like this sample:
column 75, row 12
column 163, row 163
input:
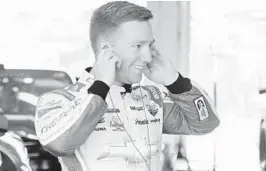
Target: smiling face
column 200, row 104
column 131, row 42
column 124, row 27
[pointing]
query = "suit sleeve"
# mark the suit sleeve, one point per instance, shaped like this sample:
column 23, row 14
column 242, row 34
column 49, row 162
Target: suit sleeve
column 65, row 118
column 188, row 110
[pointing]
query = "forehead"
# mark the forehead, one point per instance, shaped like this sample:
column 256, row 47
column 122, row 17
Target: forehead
column 134, row 31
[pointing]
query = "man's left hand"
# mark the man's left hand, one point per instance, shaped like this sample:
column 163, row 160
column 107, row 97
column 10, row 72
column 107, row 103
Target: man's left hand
column 160, row 70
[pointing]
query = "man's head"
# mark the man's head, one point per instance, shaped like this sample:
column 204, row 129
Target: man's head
column 200, row 104
column 125, row 28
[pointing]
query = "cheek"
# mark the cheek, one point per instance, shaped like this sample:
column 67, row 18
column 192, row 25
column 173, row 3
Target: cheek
column 127, row 56
column 126, row 70
column 128, row 61
column 126, row 66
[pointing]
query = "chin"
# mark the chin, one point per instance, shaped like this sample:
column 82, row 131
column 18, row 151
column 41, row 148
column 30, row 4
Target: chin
column 135, row 79
column 130, row 78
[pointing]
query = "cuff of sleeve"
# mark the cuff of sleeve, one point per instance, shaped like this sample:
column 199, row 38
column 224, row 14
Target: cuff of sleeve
column 99, row 88
column 181, row 85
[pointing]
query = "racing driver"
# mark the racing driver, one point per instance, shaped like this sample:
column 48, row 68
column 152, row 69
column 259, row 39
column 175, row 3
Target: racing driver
column 107, row 120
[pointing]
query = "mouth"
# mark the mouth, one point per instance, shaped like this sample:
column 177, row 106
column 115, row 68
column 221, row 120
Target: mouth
column 139, row 67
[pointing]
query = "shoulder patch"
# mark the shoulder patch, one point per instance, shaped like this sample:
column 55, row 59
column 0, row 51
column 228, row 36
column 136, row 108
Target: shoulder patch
column 166, row 97
column 76, row 87
column 42, row 112
column 154, row 94
column 64, row 93
column 201, row 108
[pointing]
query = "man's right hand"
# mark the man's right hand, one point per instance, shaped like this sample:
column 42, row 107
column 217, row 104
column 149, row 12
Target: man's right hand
column 105, row 66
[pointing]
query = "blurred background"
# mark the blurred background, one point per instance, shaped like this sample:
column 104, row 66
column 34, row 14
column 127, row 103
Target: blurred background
column 45, row 45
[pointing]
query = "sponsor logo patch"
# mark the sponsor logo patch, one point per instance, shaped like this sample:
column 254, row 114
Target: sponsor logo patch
column 138, row 108
column 47, row 127
column 155, row 120
column 138, row 93
column 145, row 121
column 42, row 112
column 52, row 103
column 152, row 108
column 100, row 129
column 116, row 125
column 201, row 108
column 141, row 122
column 76, row 87
column 102, row 120
column 154, row 92
column 49, row 122
column 166, row 98
column 112, row 110
column 54, row 124
column 65, row 93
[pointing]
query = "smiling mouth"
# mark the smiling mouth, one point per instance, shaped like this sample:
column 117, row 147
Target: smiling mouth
column 139, row 67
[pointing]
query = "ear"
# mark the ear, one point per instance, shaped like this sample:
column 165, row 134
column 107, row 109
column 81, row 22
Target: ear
column 104, row 44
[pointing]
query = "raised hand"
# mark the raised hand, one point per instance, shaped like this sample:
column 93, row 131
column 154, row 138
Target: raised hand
column 105, row 66
column 160, row 70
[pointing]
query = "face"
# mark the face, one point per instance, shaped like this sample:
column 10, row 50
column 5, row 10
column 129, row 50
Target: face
column 131, row 43
column 200, row 104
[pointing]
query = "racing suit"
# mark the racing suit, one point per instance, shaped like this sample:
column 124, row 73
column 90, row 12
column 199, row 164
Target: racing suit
column 90, row 126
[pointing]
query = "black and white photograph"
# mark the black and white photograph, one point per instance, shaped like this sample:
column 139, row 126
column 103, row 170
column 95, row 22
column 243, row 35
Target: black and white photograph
column 132, row 85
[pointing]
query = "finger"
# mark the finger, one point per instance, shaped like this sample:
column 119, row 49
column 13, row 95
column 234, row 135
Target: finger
column 153, row 63
column 116, row 61
column 119, row 62
column 101, row 53
column 147, row 72
column 155, row 52
column 106, row 54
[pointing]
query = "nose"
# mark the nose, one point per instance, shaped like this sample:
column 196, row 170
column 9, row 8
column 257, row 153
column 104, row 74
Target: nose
column 146, row 55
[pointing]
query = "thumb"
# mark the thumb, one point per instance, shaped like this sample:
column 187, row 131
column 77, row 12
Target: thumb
column 118, row 63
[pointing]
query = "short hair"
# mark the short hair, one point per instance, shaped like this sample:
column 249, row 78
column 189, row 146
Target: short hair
column 199, row 105
column 109, row 16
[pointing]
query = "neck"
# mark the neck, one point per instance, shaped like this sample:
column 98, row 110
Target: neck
column 118, row 83
column 126, row 86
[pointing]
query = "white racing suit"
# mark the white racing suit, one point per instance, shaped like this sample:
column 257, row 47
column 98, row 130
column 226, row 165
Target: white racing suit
column 92, row 127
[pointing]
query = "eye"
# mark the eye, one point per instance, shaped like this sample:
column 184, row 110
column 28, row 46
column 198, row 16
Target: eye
column 137, row 46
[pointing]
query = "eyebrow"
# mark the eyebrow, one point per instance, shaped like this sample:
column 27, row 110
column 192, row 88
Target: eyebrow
column 145, row 41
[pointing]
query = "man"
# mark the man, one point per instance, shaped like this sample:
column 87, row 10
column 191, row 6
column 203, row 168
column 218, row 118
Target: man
column 102, row 122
